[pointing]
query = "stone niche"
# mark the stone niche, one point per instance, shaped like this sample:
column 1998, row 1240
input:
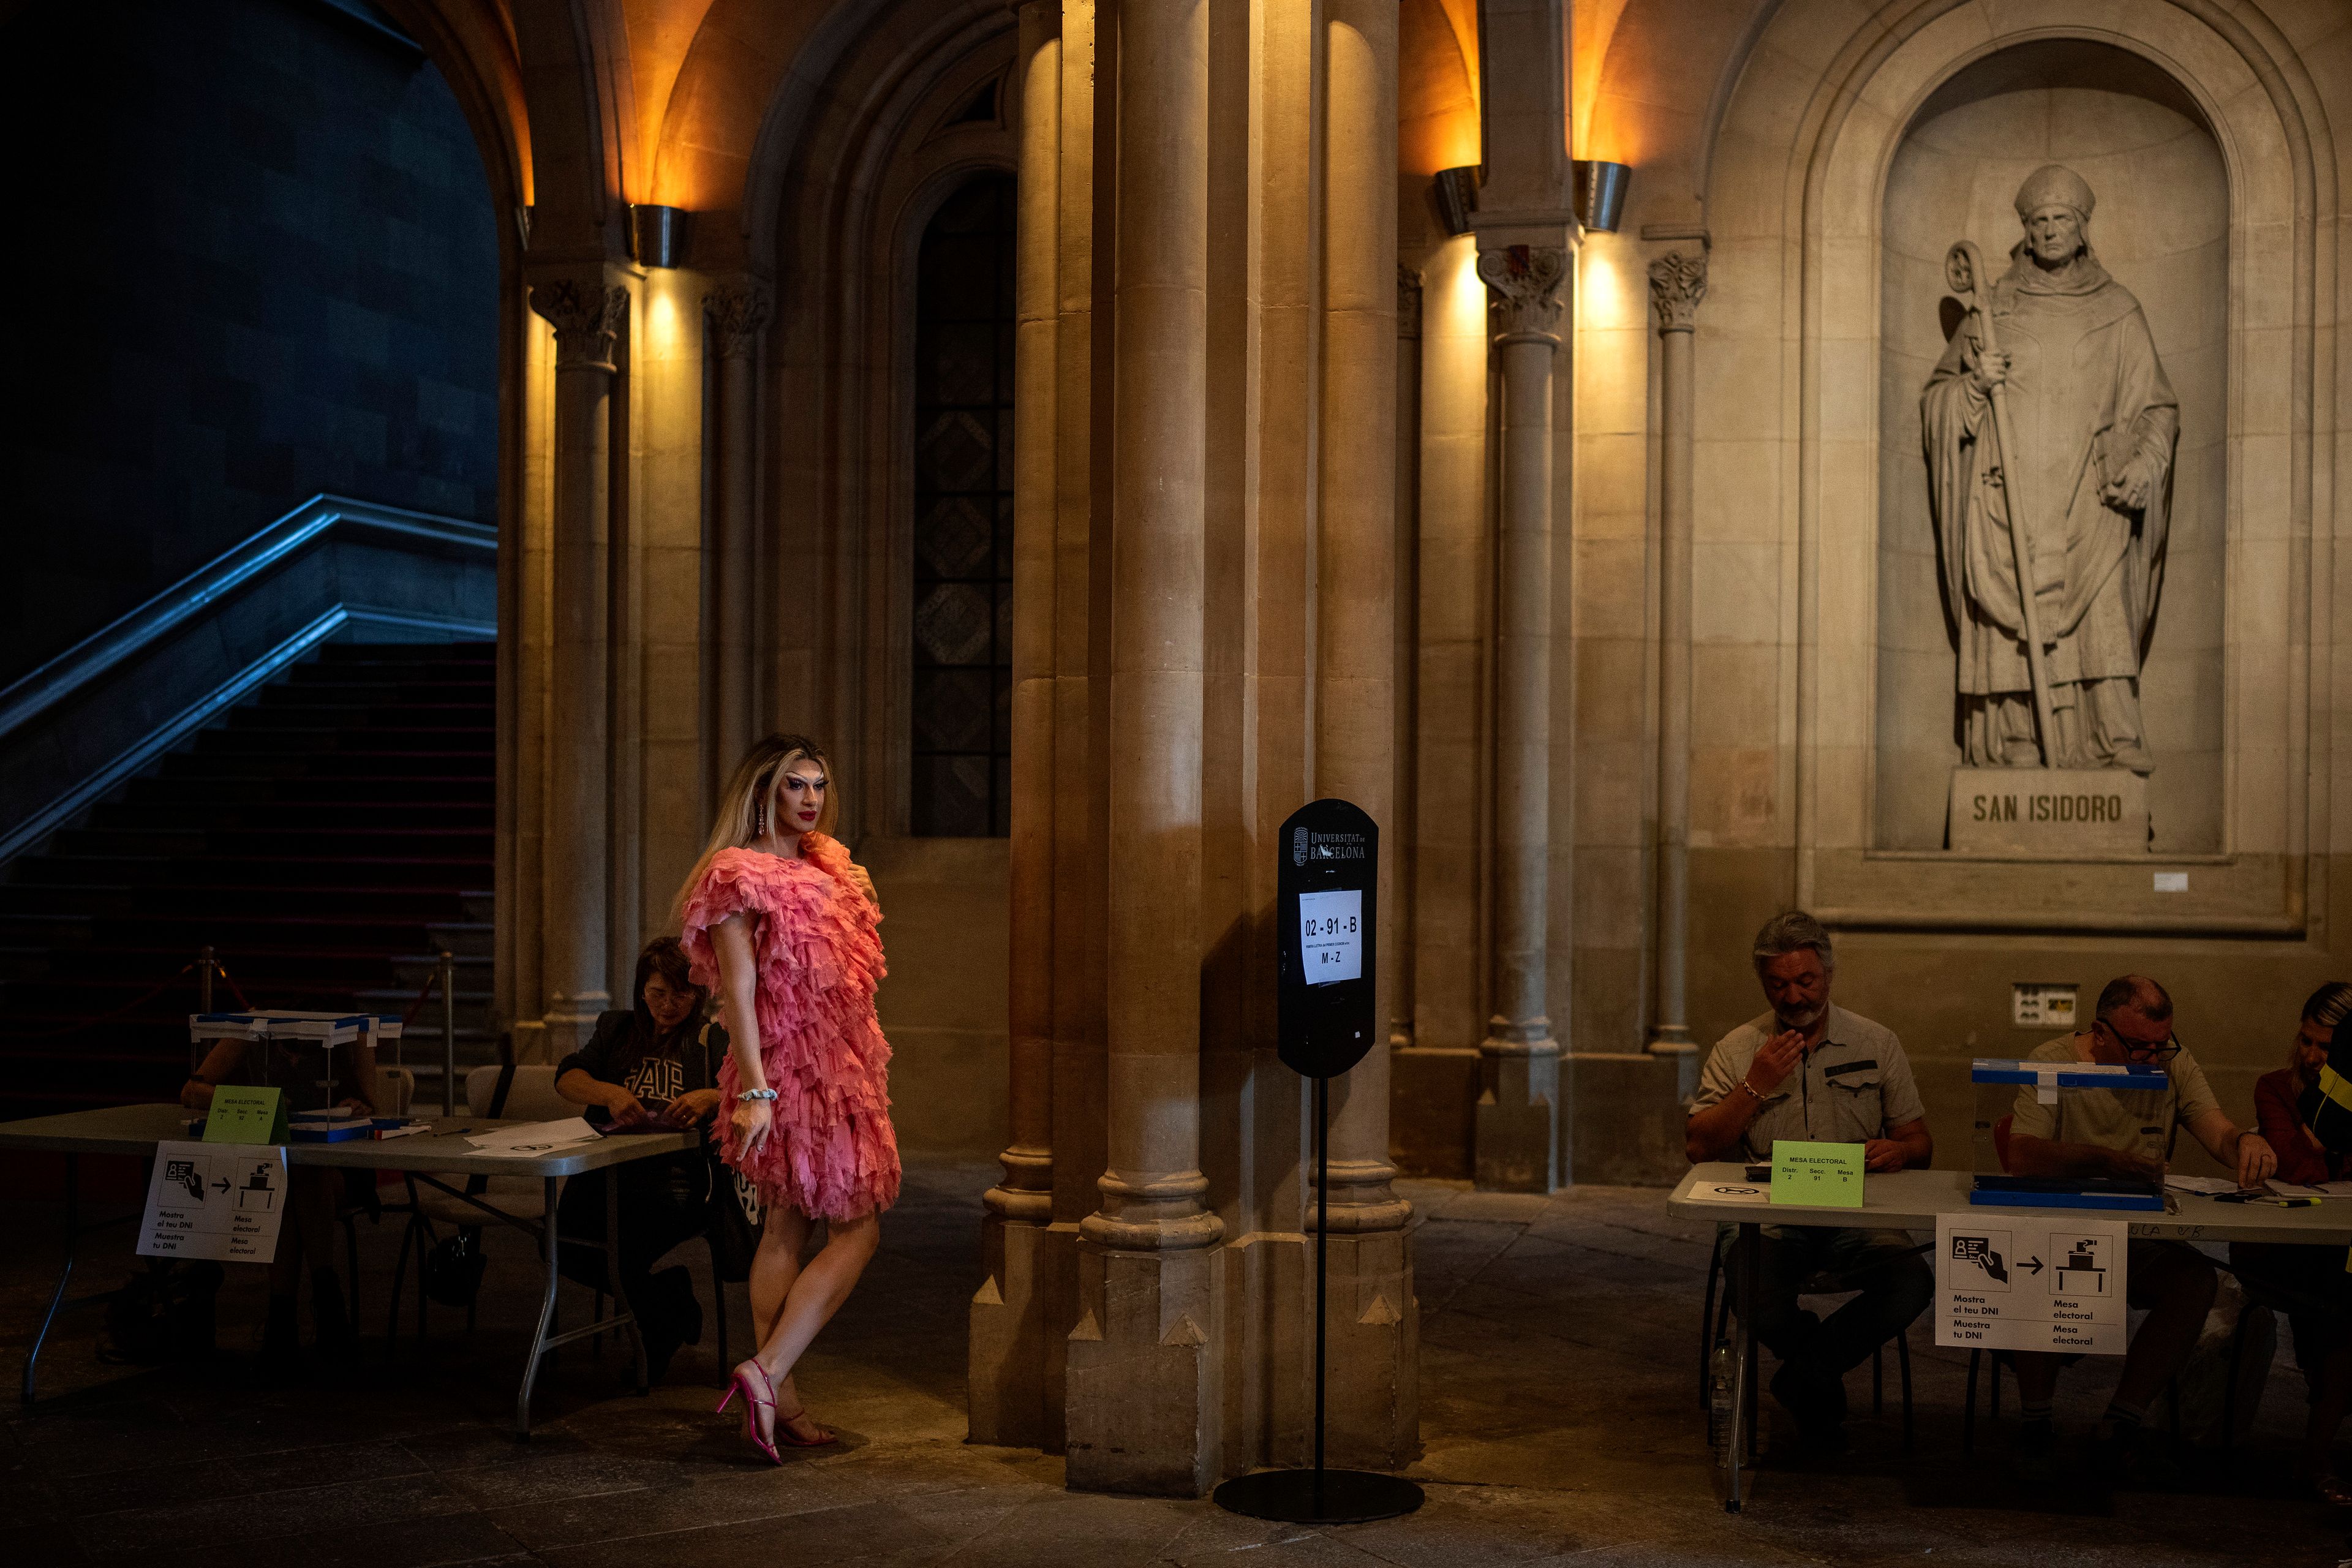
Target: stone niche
column 2211, row 211
column 2161, row 228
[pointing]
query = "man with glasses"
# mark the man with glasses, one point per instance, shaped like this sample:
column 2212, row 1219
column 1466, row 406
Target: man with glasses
column 2127, row 1135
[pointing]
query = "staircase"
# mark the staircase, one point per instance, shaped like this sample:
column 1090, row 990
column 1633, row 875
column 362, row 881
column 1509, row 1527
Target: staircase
column 328, row 839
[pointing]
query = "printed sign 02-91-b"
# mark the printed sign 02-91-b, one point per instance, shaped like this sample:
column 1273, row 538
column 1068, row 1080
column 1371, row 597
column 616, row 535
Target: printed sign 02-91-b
column 1326, row 906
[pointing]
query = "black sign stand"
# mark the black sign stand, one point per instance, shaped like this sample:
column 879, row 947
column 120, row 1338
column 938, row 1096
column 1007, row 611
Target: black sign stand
column 1331, row 853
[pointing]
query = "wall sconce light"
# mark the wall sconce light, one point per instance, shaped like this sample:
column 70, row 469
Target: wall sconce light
column 1601, row 193
column 1456, row 191
column 657, row 235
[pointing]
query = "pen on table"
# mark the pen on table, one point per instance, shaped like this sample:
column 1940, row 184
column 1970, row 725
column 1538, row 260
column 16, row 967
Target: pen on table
column 2294, row 1203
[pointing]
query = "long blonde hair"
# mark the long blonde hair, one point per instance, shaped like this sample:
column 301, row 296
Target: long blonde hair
column 748, row 804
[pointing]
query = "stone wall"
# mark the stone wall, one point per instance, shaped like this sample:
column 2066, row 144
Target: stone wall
column 255, row 259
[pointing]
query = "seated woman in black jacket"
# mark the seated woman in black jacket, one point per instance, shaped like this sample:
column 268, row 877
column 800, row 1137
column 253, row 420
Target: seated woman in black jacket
column 652, row 1064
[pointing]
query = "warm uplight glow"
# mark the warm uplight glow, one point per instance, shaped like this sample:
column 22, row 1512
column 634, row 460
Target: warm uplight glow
column 1614, row 131
column 1594, row 24
column 1437, row 91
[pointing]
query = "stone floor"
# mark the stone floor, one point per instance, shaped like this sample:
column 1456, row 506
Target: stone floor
column 1557, row 1408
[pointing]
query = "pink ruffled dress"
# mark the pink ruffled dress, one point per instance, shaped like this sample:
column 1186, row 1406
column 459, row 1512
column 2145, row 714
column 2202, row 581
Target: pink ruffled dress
column 830, row 1152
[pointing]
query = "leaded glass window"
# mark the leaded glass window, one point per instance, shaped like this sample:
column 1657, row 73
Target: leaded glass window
column 962, row 697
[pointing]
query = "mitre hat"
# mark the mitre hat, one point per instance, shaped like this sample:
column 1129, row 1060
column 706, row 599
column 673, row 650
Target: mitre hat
column 2053, row 185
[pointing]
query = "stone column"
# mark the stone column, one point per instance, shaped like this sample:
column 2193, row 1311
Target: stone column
column 1144, row 1378
column 1677, row 284
column 1009, row 1314
column 587, row 314
column 1518, row 1120
column 1397, row 837
column 1372, row 1319
column 739, row 316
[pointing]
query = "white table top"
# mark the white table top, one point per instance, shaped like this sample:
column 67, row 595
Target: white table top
column 137, row 1129
column 1910, row 1200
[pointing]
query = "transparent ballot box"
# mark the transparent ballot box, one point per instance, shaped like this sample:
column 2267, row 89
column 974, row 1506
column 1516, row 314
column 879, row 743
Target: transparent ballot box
column 2064, row 1135
column 294, row 1050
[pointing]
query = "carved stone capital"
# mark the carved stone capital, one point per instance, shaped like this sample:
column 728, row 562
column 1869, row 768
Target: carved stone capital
column 586, row 316
column 1677, row 284
column 738, row 314
column 1525, row 280
column 1408, row 302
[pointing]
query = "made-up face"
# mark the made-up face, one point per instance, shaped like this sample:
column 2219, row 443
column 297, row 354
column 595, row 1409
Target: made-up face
column 1797, row 985
column 2054, row 235
column 669, row 1004
column 800, row 796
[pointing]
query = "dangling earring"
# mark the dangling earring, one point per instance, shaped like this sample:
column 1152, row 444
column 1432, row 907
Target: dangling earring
column 760, row 821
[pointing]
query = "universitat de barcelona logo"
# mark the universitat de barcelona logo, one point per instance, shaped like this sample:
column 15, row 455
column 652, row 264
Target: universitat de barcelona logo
column 1299, row 846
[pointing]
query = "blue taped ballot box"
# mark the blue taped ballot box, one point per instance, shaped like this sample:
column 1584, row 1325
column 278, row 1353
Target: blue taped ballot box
column 2069, row 1135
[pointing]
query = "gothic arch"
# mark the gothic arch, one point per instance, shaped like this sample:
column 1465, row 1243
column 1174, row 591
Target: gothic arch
column 1796, row 185
column 844, row 212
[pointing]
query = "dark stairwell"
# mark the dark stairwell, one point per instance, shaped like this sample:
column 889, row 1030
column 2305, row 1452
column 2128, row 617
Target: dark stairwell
column 328, row 838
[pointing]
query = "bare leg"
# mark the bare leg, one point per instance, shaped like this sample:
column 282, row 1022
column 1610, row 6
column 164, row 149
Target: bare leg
column 775, row 1265
column 814, row 1295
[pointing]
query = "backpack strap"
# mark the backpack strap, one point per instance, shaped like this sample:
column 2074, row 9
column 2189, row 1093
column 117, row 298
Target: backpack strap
column 499, row 1094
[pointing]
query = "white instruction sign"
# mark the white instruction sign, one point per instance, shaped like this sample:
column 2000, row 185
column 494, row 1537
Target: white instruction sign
column 1331, row 936
column 223, row 1201
column 2017, row 1280
column 2041, row 1004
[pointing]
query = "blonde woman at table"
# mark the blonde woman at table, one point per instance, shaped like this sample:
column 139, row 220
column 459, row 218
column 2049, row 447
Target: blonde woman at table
column 781, row 924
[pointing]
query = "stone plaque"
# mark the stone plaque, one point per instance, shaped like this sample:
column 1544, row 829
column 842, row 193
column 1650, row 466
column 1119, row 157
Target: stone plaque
column 2057, row 812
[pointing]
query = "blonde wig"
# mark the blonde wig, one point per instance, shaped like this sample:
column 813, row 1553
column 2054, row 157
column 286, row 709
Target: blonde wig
column 747, row 806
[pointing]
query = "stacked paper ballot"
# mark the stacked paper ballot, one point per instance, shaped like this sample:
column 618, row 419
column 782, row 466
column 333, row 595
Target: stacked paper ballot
column 533, row 1139
column 2322, row 1190
column 330, row 1126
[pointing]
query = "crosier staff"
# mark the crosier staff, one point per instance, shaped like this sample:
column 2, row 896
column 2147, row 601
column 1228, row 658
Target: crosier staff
column 1963, row 265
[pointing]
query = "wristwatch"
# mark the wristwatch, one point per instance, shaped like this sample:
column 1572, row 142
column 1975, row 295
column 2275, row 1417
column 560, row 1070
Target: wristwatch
column 751, row 1094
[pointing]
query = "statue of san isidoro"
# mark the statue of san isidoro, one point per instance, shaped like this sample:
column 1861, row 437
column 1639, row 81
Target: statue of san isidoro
column 2093, row 423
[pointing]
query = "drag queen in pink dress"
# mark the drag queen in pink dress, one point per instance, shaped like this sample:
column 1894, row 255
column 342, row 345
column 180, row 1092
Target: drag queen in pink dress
column 781, row 925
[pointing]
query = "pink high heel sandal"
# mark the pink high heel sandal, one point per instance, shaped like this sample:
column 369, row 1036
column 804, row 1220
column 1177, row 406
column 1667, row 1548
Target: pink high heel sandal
column 784, row 1435
column 752, row 1403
